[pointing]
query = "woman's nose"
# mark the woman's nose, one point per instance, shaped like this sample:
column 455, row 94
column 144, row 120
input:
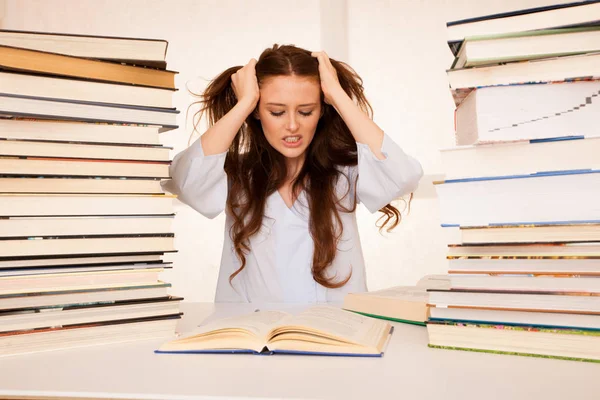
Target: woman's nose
column 292, row 123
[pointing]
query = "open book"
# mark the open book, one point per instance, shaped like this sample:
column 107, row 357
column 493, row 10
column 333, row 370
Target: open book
column 320, row 330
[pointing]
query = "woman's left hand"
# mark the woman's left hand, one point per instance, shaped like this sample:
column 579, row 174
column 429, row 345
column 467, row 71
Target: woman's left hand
column 330, row 84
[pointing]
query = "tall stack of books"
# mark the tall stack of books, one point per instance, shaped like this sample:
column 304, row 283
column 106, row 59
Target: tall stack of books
column 523, row 185
column 83, row 221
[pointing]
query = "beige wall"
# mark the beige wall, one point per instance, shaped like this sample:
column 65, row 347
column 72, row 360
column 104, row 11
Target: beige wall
column 398, row 47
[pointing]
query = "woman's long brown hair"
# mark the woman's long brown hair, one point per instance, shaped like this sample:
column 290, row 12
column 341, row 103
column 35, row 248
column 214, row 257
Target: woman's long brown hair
column 255, row 170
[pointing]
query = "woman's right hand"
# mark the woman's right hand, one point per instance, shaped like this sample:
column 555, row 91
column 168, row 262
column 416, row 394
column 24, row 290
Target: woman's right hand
column 245, row 84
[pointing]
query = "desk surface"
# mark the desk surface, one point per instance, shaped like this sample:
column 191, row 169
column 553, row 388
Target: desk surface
column 408, row 370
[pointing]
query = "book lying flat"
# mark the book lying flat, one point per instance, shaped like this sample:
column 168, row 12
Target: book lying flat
column 526, row 340
column 320, row 330
column 140, row 51
column 407, row 304
column 551, row 16
column 64, row 184
column 40, row 128
column 500, row 200
column 47, row 148
column 39, row 62
column 79, row 90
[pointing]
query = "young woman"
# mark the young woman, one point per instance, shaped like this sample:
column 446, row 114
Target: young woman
column 291, row 150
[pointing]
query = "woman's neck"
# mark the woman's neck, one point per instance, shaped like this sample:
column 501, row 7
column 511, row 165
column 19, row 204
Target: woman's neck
column 294, row 165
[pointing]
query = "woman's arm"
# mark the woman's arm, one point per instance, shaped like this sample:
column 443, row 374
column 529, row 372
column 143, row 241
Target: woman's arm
column 218, row 138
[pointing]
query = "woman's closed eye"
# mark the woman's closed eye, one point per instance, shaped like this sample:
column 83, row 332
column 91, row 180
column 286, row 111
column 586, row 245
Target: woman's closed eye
column 279, row 114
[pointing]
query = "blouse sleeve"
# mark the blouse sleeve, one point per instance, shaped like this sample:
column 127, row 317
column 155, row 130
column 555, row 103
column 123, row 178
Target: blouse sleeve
column 381, row 181
column 198, row 180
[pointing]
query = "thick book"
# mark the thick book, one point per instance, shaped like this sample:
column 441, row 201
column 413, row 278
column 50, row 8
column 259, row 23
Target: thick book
column 71, row 296
column 531, row 233
column 319, row 330
column 544, row 70
column 139, row 51
column 82, row 268
column 66, row 184
column 33, row 204
column 46, row 148
column 80, row 226
column 520, row 199
column 78, row 90
column 576, row 265
column 552, row 16
column 45, row 63
column 561, row 302
column 87, row 334
column 56, row 166
column 59, row 109
column 527, row 340
column 529, row 283
column 80, row 280
column 85, row 313
column 509, row 317
column 507, row 113
column 74, row 260
column 79, row 132
column 564, row 249
column 407, row 304
column 88, row 244
column 495, row 49
column 531, row 156
column 37, row 166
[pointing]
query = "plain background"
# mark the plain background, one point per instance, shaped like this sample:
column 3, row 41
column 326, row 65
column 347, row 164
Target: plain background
column 397, row 47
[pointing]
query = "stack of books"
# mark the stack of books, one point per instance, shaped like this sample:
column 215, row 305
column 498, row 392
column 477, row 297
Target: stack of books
column 83, row 220
column 522, row 185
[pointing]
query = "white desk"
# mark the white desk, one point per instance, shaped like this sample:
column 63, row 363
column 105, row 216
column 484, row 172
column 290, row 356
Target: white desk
column 409, row 370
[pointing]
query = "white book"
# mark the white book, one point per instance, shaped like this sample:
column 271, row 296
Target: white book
column 93, row 260
column 494, row 49
column 77, row 204
column 70, row 184
column 524, row 112
column 517, row 301
column 560, row 15
column 67, row 297
column 567, row 196
column 42, row 246
column 68, row 226
column 526, row 157
column 39, row 148
column 67, row 131
column 91, row 112
column 526, row 283
column 526, row 265
column 86, row 335
column 531, row 233
column 77, row 167
column 542, row 70
column 79, row 90
column 85, row 314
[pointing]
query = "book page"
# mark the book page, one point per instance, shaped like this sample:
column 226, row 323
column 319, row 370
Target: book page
column 258, row 323
column 339, row 324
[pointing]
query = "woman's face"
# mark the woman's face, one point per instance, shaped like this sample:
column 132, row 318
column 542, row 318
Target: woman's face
column 289, row 110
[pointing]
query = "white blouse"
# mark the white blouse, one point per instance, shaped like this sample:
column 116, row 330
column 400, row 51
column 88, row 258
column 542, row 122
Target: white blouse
column 278, row 267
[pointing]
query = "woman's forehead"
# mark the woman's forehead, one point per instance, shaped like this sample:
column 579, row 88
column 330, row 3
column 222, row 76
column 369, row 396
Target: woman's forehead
column 290, row 90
